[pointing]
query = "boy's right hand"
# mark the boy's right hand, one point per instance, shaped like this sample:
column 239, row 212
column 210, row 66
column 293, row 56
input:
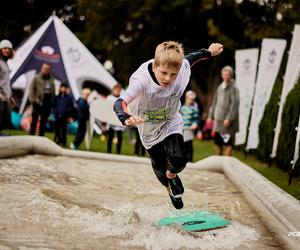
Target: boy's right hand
column 134, row 120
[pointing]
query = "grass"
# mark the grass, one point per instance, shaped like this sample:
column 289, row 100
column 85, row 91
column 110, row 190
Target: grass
column 202, row 149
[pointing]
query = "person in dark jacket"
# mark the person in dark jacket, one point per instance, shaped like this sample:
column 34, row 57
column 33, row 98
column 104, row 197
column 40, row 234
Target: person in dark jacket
column 63, row 108
column 41, row 97
column 83, row 117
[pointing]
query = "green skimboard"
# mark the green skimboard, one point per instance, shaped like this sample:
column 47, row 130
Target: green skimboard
column 194, row 220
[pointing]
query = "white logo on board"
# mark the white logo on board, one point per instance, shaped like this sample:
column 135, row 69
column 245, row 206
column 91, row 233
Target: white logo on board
column 48, row 50
column 272, row 56
column 74, row 55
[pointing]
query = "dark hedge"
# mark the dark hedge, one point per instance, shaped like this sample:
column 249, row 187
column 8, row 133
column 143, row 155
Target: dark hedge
column 287, row 137
column 268, row 123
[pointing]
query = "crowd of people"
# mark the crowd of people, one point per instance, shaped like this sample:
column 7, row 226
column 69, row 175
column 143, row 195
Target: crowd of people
column 219, row 123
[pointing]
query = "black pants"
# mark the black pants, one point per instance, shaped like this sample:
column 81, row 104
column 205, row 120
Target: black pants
column 188, row 147
column 111, row 133
column 138, row 144
column 80, row 133
column 39, row 111
column 5, row 116
column 60, row 136
column 168, row 155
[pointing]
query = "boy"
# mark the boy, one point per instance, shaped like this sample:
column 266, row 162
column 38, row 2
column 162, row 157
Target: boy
column 63, row 107
column 115, row 93
column 154, row 93
column 225, row 113
column 190, row 116
column 83, row 117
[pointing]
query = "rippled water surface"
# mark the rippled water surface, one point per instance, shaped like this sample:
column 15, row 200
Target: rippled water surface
column 70, row 203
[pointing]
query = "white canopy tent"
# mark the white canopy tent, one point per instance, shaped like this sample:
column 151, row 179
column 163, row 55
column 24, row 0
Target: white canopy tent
column 71, row 61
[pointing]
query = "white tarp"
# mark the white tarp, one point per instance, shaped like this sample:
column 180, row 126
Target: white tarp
column 245, row 73
column 290, row 79
column 270, row 59
column 78, row 61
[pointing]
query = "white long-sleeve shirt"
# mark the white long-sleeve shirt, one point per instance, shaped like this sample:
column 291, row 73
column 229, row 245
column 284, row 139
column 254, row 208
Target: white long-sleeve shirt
column 158, row 106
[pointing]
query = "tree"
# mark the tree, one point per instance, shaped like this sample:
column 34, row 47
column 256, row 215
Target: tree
column 19, row 18
column 126, row 32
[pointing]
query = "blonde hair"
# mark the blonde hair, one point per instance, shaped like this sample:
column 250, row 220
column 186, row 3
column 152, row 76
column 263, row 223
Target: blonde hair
column 169, row 53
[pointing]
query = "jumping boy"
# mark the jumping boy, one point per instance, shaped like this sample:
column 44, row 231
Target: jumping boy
column 154, row 93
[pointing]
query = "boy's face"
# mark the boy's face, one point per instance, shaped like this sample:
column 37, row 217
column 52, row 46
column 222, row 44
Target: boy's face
column 226, row 75
column 165, row 75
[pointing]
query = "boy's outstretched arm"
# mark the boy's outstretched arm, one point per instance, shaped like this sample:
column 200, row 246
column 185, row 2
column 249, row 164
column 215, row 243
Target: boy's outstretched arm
column 120, row 108
column 203, row 54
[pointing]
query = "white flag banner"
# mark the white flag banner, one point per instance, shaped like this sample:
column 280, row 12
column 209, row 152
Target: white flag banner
column 290, row 79
column 296, row 152
column 245, row 74
column 269, row 63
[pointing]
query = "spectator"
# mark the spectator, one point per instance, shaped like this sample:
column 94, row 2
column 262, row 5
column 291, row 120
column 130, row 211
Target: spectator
column 6, row 96
column 190, row 116
column 41, row 97
column 63, row 109
column 224, row 113
column 83, row 117
column 112, row 129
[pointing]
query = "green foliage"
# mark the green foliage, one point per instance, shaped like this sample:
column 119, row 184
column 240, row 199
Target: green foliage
column 268, row 123
column 289, row 121
column 19, row 18
column 269, row 119
column 127, row 31
column 297, row 167
column 290, row 118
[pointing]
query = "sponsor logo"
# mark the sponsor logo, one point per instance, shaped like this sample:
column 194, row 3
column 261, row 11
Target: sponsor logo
column 247, row 64
column 47, row 53
column 73, row 54
column 272, row 56
column 294, row 234
column 157, row 116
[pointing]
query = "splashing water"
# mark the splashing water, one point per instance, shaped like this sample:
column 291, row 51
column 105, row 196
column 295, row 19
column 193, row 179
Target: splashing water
column 63, row 203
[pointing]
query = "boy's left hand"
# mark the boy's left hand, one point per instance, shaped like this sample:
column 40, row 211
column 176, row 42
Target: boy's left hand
column 215, row 49
column 134, row 120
